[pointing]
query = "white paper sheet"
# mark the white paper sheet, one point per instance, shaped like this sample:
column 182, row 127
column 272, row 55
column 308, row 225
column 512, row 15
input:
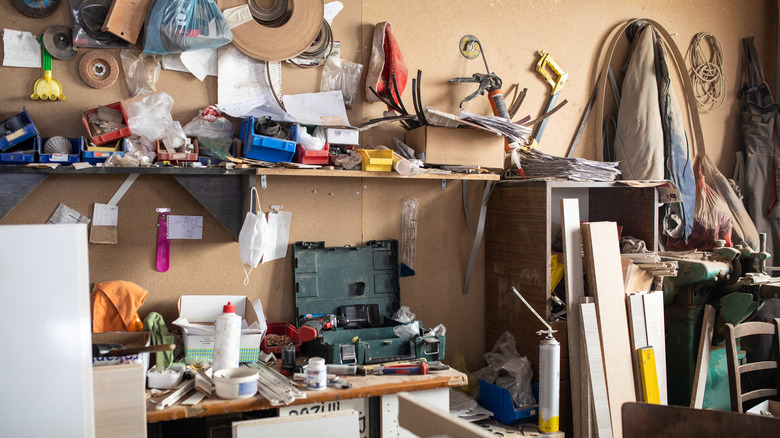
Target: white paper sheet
column 20, row 49
column 66, row 215
column 325, row 108
column 243, row 88
column 200, row 63
column 278, row 235
column 185, row 227
column 105, row 215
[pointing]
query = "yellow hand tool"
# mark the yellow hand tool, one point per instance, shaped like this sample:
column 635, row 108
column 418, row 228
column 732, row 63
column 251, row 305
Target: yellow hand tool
column 47, row 88
column 556, row 82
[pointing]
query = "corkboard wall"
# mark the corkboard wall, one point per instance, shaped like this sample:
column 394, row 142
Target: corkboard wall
column 350, row 211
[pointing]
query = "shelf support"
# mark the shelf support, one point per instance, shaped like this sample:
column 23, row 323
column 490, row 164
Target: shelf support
column 15, row 187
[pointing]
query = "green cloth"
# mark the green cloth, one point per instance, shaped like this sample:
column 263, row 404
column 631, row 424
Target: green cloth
column 155, row 325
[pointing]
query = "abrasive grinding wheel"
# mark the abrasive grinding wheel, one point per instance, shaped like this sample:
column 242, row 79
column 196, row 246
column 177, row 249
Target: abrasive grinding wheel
column 58, row 41
column 36, row 8
column 98, row 69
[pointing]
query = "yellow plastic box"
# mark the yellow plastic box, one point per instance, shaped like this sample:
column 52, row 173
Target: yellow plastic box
column 376, row 160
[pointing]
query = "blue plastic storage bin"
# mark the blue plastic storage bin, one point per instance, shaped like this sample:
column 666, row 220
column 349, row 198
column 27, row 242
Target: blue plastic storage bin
column 499, row 401
column 99, row 154
column 21, row 153
column 17, row 129
column 77, row 144
column 261, row 147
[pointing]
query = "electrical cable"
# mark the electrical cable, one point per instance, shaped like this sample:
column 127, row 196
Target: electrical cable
column 709, row 81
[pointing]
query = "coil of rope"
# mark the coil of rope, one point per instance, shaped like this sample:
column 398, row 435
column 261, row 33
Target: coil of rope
column 709, row 81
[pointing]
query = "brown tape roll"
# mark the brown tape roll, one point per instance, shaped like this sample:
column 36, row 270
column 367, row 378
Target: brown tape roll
column 278, row 43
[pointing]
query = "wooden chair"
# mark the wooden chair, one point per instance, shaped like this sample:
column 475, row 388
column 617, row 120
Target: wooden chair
column 736, row 370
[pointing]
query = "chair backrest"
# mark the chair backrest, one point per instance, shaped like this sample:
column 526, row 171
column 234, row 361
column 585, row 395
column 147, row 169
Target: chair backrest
column 735, row 370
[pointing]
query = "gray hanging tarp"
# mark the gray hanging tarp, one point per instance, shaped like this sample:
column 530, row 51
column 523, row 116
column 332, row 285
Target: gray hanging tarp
column 762, row 150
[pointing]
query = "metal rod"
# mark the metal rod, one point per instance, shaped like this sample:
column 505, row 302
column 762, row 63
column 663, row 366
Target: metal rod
column 532, row 310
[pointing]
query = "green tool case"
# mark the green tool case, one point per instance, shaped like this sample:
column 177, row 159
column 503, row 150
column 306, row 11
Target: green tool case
column 358, row 286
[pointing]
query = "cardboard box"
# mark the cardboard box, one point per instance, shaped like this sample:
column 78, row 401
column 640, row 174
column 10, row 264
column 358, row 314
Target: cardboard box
column 124, row 338
column 202, row 310
column 457, row 147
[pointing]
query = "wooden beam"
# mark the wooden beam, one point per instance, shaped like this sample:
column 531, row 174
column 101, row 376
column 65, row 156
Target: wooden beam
column 120, row 401
column 605, row 282
column 587, row 420
column 572, row 256
column 638, row 332
column 425, row 421
column 703, row 359
column 595, row 371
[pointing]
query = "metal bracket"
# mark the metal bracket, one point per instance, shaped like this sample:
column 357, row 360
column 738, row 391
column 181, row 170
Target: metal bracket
column 348, row 354
column 263, row 182
column 444, row 185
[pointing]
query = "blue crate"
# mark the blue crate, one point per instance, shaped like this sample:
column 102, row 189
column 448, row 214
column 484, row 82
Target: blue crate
column 21, row 153
column 261, row 147
column 99, row 154
column 499, row 401
column 77, row 144
column 23, row 129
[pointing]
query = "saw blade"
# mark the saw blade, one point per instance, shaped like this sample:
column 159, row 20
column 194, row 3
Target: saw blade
column 58, row 41
column 36, row 8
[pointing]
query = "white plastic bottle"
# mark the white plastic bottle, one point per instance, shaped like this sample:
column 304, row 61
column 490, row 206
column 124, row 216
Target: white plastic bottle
column 316, row 374
column 227, row 341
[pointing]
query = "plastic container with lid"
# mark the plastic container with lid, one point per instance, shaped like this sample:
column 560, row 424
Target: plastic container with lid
column 227, row 342
column 317, row 374
column 233, row 383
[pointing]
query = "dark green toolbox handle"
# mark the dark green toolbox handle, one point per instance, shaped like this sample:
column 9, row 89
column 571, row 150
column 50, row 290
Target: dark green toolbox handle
column 368, row 360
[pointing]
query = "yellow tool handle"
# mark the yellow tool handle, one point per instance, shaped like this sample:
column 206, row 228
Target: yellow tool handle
column 541, row 67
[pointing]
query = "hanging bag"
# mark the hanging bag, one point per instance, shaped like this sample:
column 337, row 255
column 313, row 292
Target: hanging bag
column 175, row 26
column 252, row 236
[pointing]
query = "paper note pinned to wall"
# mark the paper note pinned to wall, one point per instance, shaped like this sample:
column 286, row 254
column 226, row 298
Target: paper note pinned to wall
column 185, row 227
column 278, row 235
column 20, row 49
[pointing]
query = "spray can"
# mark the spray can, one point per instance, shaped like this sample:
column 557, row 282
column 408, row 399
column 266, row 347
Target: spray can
column 549, row 375
column 549, row 383
column 227, row 341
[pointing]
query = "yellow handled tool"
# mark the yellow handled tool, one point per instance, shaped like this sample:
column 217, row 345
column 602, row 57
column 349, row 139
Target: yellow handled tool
column 556, row 79
column 47, row 88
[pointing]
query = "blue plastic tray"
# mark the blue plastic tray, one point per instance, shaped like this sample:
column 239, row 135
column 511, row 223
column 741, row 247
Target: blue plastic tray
column 499, row 401
column 99, row 156
column 21, row 153
column 21, row 128
column 261, row 147
column 77, row 145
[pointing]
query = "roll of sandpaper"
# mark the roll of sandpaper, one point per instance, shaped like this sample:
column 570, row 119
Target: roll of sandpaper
column 282, row 42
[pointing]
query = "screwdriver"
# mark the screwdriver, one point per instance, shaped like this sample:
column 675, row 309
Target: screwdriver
column 420, row 368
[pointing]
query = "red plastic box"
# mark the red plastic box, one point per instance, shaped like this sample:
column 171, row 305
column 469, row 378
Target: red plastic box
column 305, row 156
column 281, row 328
column 98, row 140
column 176, row 157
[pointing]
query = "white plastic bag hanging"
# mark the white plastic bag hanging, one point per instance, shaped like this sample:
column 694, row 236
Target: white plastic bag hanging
column 252, row 235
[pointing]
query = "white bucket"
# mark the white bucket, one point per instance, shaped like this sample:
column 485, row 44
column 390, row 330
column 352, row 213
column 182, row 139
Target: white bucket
column 232, row 383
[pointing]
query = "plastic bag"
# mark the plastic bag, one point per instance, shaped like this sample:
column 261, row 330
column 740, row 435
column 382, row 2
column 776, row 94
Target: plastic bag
column 744, row 230
column 175, row 26
column 507, row 369
column 712, row 218
column 88, row 17
column 150, row 117
column 209, row 123
column 141, row 71
column 407, row 331
column 339, row 74
column 403, row 315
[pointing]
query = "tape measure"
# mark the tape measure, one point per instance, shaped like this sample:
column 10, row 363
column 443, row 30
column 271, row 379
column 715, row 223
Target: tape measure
column 36, row 8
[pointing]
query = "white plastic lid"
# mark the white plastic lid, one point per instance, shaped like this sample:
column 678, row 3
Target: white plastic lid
column 316, row 362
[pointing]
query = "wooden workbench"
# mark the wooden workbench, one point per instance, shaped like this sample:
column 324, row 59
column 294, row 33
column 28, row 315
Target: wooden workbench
column 362, row 387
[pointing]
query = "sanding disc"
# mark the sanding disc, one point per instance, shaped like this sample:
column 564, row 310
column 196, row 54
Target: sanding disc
column 36, row 8
column 58, row 41
column 98, row 69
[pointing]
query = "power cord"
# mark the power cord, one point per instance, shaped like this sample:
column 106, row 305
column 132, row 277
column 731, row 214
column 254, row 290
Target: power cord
column 707, row 75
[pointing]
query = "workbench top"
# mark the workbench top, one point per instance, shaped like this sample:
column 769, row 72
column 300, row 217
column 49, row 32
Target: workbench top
column 362, row 387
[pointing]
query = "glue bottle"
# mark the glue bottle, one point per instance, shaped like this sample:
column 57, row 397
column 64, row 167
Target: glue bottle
column 227, row 341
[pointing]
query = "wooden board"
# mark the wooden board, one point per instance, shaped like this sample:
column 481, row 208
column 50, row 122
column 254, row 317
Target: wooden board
column 638, row 332
column 425, row 421
column 605, row 282
column 703, row 358
column 338, row 424
column 575, row 289
column 656, row 337
column 587, row 420
column 126, row 18
column 120, row 401
column 595, row 371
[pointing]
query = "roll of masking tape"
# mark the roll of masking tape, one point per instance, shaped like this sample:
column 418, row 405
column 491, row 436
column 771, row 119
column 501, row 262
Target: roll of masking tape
column 281, row 42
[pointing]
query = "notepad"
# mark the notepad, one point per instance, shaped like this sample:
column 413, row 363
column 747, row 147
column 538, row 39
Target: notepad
column 185, row 227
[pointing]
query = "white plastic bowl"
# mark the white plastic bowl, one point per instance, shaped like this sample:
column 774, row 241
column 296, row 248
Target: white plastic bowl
column 232, row 383
column 165, row 379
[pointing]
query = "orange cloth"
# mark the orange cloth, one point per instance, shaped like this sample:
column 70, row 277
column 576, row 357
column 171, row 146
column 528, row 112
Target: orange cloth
column 115, row 306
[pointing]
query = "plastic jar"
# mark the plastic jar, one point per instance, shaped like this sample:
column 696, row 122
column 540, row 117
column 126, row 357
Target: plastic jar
column 227, row 342
column 316, row 374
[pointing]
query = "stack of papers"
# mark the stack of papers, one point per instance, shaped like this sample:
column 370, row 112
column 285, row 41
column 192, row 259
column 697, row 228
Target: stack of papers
column 500, row 125
column 466, row 408
column 537, row 164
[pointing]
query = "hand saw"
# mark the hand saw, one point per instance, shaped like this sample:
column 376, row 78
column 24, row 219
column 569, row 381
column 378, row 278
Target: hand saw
column 556, row 83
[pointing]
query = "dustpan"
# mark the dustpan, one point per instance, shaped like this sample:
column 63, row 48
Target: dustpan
column 47, row 88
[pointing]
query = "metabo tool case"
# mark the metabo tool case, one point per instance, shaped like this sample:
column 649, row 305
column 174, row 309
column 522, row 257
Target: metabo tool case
column 344, row 300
